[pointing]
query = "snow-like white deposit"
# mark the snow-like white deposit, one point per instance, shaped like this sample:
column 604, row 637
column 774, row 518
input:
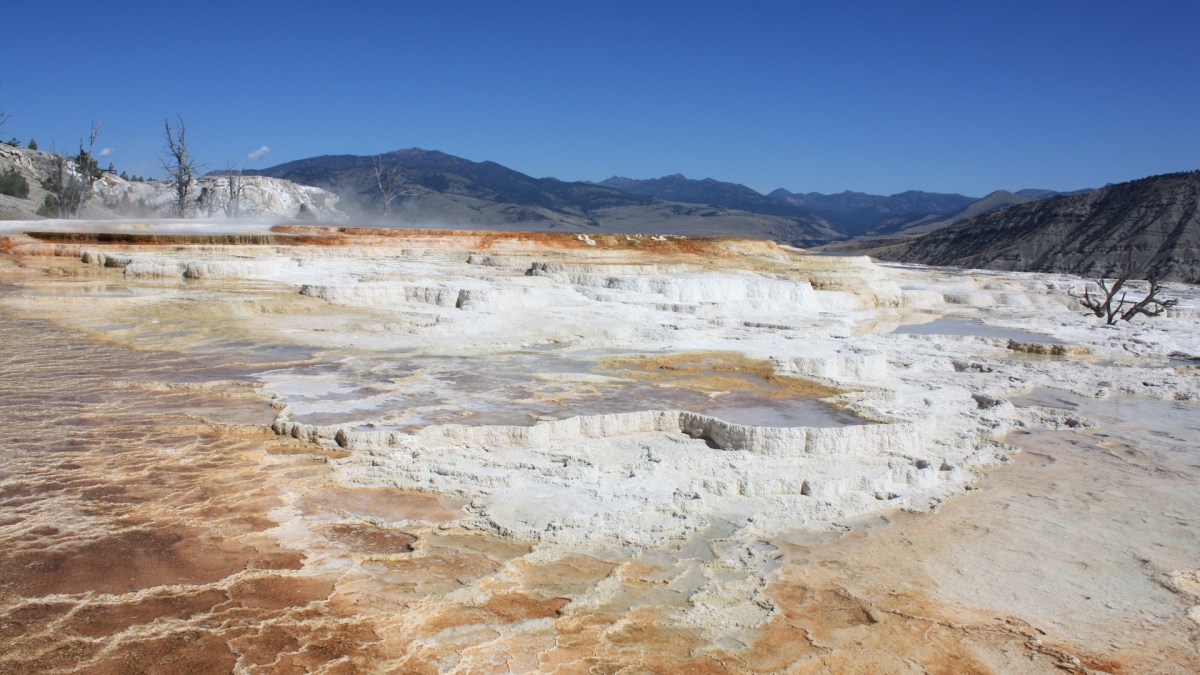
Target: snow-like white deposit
column 932, row 398
column 258, row 197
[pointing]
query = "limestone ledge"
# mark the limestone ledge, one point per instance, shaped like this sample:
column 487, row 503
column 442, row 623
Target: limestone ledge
column 479, row 297
column 896, row 437
column 570, row 269
column 749, row 291
column 623, row 478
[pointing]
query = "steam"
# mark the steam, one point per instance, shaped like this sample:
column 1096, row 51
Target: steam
column 258, row 154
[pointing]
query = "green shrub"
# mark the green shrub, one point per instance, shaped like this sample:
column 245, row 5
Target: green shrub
column 49, row 207
column 14, row 184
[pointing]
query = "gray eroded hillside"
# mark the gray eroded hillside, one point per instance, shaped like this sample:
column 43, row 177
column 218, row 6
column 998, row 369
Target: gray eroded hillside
column 1152, row 222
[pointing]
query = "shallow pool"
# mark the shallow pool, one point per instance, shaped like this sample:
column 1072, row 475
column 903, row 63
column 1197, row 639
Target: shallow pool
column 973, row 328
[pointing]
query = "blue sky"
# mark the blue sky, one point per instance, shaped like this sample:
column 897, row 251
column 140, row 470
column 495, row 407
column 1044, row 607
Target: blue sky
column 873, row 96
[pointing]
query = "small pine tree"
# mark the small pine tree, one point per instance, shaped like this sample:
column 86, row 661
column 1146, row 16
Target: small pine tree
column 124, row 176
column 49, row 207
column 32, row 144
column 14, row 142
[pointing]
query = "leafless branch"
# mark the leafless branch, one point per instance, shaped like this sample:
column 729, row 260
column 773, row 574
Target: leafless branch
column 62, row 186
column 389, row 180
column 1151, row 305
column 234, row 187
column 87, row 168
column 1112, row 309
column 69, row 180
column 179, row 165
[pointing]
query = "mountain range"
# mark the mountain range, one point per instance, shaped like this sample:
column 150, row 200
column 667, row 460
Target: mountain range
column 849, row 213
column 439, row 187
column 442, row 188
column 1148, row 227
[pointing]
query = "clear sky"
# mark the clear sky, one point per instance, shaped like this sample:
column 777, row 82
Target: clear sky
column 880, row 97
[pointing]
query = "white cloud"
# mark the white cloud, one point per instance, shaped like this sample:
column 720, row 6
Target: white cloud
column 105, row 152
column 257, row 154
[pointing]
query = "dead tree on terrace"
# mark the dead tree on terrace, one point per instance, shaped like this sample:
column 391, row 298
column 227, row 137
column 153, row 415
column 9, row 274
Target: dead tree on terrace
column 233, row 191
column 1111, row 308
column 87, row 168
column 207, row 201
column 179, row 165
column 389, row 181
column 64, row 190
column 69, row 180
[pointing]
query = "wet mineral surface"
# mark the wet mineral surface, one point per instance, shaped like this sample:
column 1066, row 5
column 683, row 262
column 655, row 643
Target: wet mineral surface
column 152, row 521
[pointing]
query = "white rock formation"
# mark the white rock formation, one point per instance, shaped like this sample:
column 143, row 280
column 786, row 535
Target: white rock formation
column 262, row 198
column 933, row 407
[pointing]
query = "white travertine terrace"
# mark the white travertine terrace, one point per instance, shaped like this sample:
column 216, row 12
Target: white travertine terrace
column 480, row 367
column 643, row 477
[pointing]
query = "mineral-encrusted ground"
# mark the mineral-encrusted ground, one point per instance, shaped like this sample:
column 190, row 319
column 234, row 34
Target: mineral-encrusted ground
column 362, row 450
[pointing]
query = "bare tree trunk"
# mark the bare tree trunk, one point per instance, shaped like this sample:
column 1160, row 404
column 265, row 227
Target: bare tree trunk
column 388, row 180
column 62, row 186
column 207, row 201
column 178, row 164
column 234, row 187
column 1151, row 305
column 88, row 168
column 69, row 181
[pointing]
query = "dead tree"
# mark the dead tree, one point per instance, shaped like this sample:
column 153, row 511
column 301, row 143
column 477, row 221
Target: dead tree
column 389, row 180
column 1112, row 308
column 233, row 191
column 87, row 169
column 179, row 165
column 64, row 190
column 69, row 180
column 1151, row 305
column 207, row 201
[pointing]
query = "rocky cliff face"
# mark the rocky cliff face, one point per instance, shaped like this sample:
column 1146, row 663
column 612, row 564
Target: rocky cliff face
column 1151, row 224
column 262, row 198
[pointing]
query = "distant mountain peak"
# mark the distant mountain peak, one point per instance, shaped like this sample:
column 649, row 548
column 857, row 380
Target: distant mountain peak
column 1003, row 193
